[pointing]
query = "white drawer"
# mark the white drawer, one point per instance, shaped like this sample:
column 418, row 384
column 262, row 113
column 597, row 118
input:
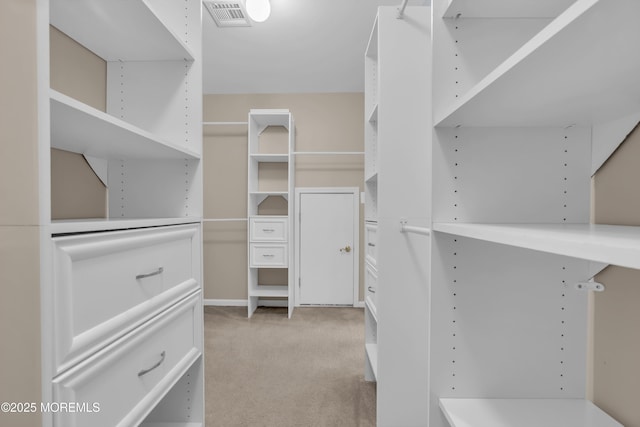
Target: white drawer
column 129, row 377
column 268, row 255
column 371, row 284
column 268, row 229
column 105, row 284
column 370, row 242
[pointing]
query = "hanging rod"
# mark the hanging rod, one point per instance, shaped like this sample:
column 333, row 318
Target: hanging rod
column 327, row 153
column 401, row 9
column 223, row 123
column 223, row 219
column 404, row 228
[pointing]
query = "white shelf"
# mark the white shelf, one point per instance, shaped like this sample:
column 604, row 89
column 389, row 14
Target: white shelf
column 372, row 308
column 119, row 30
column 609, row 244
column 372, row 355
column 271, row 117
column 269, row 291
column 373, row 116
column 372, row 178
column 524, row 413
column 577, row 70
column 82, row 129
column 506, row 9
column 271, row 158
column 372, row 46
column 104, row 224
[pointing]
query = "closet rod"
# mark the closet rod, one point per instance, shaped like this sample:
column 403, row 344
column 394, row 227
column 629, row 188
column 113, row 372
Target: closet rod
column 327, row 153
column 404, row 228
column 223, row 123
column 223, row 219
column 401, row 9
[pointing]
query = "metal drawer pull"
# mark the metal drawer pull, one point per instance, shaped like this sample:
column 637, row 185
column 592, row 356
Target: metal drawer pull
column 371, row 244
column 146, row 371
column 268, row 230
column 268, row 255
column 153, row 273
column 372, row 289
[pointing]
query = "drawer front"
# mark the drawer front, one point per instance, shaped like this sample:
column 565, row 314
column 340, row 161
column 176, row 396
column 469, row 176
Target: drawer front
column 129, row 377
column 371, row 283
column 105, row 284
column 268, row 229
column 370, row 241
column 268, row 255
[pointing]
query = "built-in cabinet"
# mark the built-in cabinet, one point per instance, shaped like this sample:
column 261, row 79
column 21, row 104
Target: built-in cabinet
column 528, row 100
column 121, row 295
column 270, row 175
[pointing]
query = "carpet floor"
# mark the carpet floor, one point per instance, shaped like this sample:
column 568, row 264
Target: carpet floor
column 273, row 371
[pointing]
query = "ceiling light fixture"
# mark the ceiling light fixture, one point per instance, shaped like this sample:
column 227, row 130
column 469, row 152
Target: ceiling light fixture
column 258, row 10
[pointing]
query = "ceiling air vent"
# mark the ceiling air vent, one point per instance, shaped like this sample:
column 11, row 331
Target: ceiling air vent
column 228, row 13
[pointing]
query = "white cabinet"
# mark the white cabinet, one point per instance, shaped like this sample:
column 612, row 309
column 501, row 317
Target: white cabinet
column 122, row 294
column 127, row 378
column 270, row 176
column 134, row 274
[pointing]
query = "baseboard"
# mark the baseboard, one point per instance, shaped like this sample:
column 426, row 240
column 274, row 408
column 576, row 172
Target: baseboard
column 243, row 302
column 359, row 304
column 225, row 302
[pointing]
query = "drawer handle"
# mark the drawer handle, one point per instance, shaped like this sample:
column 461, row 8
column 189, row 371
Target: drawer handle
column 371, row 244
column 268, row 230
column 153, row 273
column 268, row 255
column 146, row 371
column 372, row 289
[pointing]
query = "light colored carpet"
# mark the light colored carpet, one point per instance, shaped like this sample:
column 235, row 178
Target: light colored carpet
column 273, row 371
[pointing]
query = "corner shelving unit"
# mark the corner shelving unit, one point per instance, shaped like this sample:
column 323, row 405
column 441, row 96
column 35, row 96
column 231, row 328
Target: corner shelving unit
column 269, row 236
column 511, row 181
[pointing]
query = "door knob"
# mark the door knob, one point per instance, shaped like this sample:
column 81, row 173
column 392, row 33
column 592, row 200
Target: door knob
column 346, row 249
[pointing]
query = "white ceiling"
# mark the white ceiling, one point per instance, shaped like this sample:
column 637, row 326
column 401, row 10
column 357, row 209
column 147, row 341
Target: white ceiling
column 305, row 46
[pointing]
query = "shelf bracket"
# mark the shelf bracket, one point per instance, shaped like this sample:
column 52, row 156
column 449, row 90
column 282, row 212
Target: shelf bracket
column 590, row 286
column 404, row 228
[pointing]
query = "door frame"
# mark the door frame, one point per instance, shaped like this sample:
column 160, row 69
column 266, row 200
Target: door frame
column 355, row 192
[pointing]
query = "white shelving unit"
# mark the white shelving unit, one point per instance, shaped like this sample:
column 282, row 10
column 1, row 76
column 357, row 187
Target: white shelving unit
column 512, row 149
column 397, row 133
column 524, row 412
column 143, row 260
column 269, row 236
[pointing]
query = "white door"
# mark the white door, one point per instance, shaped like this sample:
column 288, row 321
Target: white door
column 326, row 249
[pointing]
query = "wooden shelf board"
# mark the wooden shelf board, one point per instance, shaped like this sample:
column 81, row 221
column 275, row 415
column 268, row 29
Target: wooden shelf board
column 506, row 9
column 82, row 129
column 569, row 73
column 118, row 30
column 107, row 224
column 524, row 413
column 372, row 354
column 269, row 291
column 609, row 244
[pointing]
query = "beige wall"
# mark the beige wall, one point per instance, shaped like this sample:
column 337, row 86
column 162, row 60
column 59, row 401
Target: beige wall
column 19, row 212
column 616, row 311
column 324, row 122
column 76, row 192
